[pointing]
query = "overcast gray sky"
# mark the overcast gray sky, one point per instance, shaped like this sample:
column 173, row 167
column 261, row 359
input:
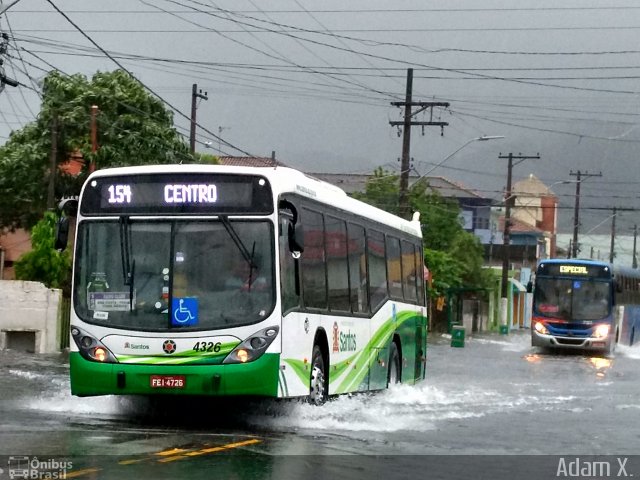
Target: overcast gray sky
column 314, row 81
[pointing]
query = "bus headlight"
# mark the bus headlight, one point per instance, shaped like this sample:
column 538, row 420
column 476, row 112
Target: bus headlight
column 540, row 328
column 253, row 347
column 91, row 348
column 601, row 331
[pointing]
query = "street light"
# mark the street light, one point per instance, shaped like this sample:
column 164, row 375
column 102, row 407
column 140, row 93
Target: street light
column 483, row 138
column 561, row 182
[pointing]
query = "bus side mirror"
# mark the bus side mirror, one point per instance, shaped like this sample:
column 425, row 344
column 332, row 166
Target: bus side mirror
column 62, row 234
column 296, row 240
column 68, row 208
column 529, row 287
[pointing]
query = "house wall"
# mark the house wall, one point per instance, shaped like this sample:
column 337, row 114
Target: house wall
column 29, row 307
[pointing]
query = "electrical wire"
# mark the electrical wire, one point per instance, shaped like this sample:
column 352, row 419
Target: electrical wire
column 175, row 109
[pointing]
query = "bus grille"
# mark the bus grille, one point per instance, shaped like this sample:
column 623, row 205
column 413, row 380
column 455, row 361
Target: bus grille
column 570, row 341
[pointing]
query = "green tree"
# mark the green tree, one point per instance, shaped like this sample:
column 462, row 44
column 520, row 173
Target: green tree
column 134, row 128
column 44, row 263
column 381, row 191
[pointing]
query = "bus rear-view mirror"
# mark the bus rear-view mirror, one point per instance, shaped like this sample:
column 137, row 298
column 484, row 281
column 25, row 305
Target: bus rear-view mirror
column 296, row 239
column 62, row 233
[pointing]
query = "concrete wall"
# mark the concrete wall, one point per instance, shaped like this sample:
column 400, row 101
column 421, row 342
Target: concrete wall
column 29, row 307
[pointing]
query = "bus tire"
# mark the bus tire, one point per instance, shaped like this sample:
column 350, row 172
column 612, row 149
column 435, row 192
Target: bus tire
column 318, row 380
column 394, row 374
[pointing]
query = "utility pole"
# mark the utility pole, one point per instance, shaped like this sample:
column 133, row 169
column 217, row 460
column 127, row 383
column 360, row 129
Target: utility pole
column 634, row 261
column 53, row 163
column 4, row 43
column 94, row 137
column 406, row 124
column 506, row 236
column 195, row 95
column 576, row 211
column 613, row 235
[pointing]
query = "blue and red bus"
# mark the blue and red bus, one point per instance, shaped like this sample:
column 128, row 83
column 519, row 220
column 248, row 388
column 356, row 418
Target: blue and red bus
column 585, row 304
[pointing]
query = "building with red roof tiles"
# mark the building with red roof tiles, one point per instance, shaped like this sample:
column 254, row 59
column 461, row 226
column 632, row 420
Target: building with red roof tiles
column 250, row 161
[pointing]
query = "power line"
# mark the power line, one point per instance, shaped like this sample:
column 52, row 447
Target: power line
column 547, row 130
column 179, row 112
column 368, row 10
column 279, row 57
column 338, row 30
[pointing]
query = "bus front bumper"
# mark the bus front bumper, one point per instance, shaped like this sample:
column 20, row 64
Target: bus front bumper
column 578, row 343
column 257, row 378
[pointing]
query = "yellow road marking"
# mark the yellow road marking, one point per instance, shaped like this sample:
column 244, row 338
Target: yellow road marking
column 171, row 459
column 79, row 473
column 131, row 462
column 173, row 454
column 228, row 446
column 173, row 451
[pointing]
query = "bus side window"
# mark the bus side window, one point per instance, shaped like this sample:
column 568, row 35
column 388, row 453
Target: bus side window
column 358, row 282
column 289, row 286
column 377, row 269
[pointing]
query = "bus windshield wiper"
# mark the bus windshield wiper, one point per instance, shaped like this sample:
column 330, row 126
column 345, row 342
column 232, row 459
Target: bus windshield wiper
column 248, row 257
column 128, row 266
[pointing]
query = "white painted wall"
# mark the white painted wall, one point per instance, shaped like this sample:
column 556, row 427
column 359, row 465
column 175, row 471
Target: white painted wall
column 30, row 306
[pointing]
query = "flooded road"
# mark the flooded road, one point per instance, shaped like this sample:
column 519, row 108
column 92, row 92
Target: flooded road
column 495, row 396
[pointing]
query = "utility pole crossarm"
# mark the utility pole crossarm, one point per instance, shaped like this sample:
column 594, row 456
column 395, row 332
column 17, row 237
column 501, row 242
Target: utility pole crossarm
column 401, row 123
column 421, row 104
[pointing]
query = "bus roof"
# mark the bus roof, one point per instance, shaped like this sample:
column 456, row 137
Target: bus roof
column 283, row 180
column 615, row 268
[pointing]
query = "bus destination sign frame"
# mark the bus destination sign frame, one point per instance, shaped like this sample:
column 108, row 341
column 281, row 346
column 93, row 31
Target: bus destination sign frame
column 162, row 194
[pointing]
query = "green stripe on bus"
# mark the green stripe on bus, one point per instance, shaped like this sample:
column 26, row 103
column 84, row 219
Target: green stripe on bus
column 362, row 360
column 189, row 357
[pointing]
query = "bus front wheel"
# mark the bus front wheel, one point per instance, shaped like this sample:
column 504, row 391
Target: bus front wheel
column 318, row 384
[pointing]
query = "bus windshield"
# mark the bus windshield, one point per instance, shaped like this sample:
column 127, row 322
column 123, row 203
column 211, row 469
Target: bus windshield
column 572, row 299
column 162, row 275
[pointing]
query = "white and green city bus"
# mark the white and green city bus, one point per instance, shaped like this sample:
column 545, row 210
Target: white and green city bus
column 217, row 280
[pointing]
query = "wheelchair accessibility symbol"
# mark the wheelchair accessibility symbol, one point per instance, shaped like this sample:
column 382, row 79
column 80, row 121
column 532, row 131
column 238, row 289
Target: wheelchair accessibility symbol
column 184, row 311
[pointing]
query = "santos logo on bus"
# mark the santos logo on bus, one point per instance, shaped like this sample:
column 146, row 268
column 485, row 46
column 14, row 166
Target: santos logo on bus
column 343, row 342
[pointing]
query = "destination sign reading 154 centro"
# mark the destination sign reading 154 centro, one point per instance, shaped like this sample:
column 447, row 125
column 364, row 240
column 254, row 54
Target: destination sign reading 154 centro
column 173, row 193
